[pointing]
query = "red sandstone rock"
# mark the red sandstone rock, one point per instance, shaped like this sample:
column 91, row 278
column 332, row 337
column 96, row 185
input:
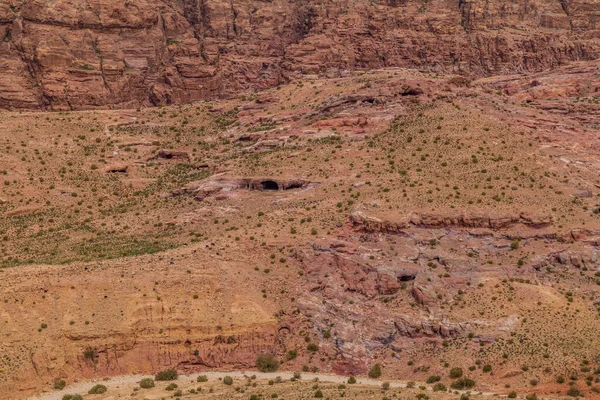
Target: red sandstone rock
column 63, row 55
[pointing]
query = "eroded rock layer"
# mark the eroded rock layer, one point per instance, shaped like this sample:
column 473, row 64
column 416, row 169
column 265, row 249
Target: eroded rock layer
column 71, row 54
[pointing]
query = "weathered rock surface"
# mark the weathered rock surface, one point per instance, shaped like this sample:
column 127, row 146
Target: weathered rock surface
column 64, row 54
column 217, row 185
column 468, row 220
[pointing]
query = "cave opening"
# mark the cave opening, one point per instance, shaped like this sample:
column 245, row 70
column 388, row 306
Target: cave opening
column 269, row 185
column 406, row 277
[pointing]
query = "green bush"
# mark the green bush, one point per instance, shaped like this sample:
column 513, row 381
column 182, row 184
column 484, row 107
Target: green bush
column 267, row 363
column 456, row 373
column 291, row 354
column 464, row 383
column 312, row 347
column 433, row 379
column 228, row 380
column 166, row 375
column 59, row 384
column 574, row 392
column 352, row 380
column 147, row 383
column 487, row 368
column 375, row 371
column 72, row 397
column 318, row 394
column 202, row 378
column 90, row 353
column 171, row 386
column 98, row 389
column 439, row 387
column 512, row 395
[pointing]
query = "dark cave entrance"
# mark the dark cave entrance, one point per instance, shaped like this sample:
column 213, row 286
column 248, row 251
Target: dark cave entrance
column 269, row 185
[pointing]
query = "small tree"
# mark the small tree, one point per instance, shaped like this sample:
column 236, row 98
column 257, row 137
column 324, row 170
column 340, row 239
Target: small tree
column 375, row 371
column 267, row 363
column 166, row 375
column 463, row 383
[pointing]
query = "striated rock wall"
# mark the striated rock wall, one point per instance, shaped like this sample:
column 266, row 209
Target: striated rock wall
column 91, row 321
column 74, row 54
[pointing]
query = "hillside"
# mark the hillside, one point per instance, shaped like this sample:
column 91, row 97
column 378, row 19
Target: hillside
column 413, row 220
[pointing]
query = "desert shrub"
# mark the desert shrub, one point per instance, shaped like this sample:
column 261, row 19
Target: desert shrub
column 312, row 347
column 352, row 380
column 171, row 386
column 291, row 354
column 375, row 371
column 318, row 394
column 89, row 353
column 487, row 368
column 574, row 392
column 60, row 384
column 456, row 373
column 147, row 383
column 166, row 375
column 464, row 383
column 512, row 395
column 433, row 379
column 228, row 380
column 267, row 363
column 439, row 387
column 72, row 397
column 98, row 389
column 202, row 378
column 385, row 385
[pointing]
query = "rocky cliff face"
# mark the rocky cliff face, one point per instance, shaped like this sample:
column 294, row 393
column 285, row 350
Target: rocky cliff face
column 75, row 54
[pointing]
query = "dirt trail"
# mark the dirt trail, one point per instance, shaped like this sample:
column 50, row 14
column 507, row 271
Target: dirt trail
column 127, row 380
